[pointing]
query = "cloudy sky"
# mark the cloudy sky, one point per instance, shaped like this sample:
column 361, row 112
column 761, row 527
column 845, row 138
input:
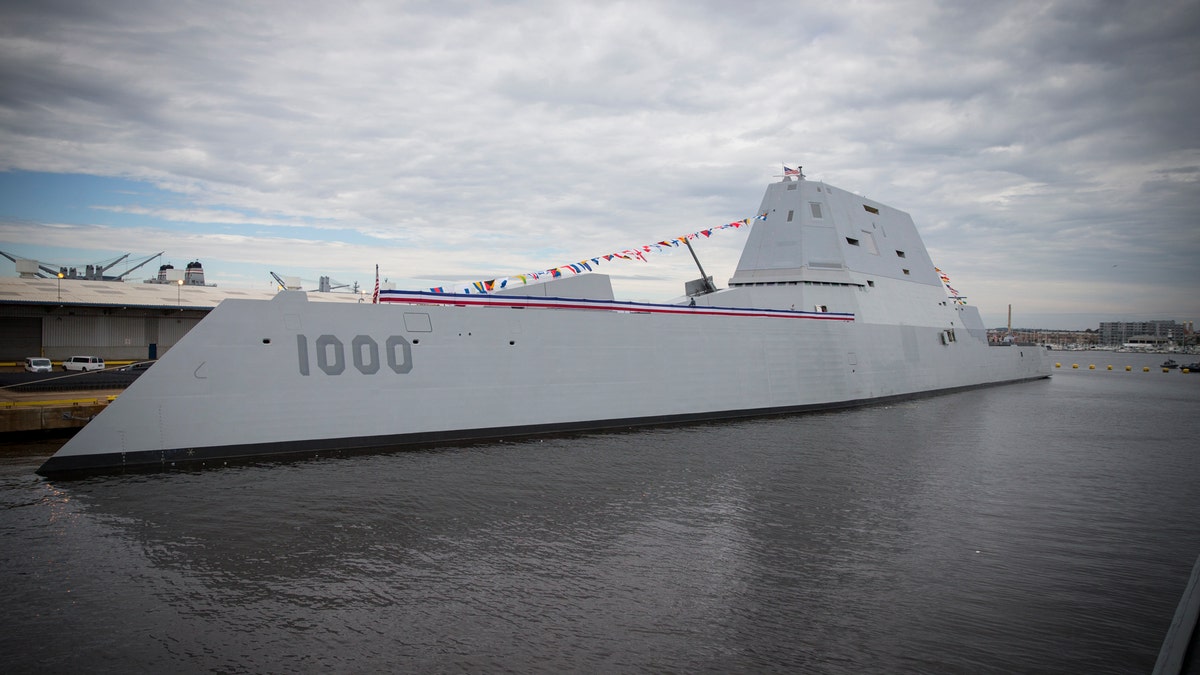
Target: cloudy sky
column 1049, row 151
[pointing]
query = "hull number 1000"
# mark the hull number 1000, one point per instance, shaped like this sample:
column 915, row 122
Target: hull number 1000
column 330, row 353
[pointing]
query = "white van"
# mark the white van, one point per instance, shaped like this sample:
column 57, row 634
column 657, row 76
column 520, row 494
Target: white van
column 84, row 363
column 36, row 364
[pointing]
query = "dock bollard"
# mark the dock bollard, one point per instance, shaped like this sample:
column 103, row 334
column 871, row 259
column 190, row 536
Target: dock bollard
column 1128, row 368
column 1074, row 365
column 1110, row 367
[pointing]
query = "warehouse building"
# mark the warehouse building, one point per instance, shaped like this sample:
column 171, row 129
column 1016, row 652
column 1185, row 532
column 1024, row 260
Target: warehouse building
column 117, row 321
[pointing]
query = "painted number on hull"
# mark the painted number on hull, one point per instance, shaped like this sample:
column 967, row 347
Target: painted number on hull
column 330, row 353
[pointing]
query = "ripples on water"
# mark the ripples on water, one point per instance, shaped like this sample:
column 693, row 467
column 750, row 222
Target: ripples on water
column 1048, row 527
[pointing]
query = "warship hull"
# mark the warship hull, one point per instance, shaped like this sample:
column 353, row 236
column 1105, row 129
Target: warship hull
column 792, row 333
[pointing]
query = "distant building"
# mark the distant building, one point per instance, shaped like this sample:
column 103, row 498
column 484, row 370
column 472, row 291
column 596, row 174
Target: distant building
column 1061, row 339
column 1149, row 333
column 59, row 318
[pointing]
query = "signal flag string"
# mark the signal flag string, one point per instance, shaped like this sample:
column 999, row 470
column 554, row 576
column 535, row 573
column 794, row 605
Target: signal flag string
column 582, row 266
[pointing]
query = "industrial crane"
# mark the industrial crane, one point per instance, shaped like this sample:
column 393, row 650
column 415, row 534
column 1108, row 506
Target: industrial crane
column 91, row 272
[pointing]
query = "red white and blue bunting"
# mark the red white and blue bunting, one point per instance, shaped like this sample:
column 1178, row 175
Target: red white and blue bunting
column 587, row 265
column 620, row 306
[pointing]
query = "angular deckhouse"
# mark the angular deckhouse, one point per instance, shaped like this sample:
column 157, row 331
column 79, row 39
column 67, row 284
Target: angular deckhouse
column 835, row 302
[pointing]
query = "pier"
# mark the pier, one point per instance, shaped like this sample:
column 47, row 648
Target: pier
column 33, row 412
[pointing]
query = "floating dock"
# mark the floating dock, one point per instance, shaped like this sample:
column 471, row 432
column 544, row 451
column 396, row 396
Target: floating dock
column 32, row 412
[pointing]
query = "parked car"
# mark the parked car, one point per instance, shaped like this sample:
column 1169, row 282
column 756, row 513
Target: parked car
column 84, row 363
column 135, row 367
column 36, row 364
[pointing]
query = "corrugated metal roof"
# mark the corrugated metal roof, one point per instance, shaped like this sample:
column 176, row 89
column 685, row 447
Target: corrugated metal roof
column 121, row 294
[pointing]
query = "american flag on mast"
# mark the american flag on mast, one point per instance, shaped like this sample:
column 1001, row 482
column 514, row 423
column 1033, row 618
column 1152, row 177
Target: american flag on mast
column 375, row 297
column 787, row 171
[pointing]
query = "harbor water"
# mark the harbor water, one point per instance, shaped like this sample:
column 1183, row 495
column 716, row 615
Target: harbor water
column 1047, row 527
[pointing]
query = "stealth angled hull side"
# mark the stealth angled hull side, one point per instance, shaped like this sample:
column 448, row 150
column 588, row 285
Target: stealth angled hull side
column 805, row 324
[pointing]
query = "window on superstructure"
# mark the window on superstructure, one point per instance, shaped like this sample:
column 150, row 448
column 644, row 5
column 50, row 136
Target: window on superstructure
column 791, row 186
column 816, row 209
column 852, row 241
column 905, row 272
column 790, row 214
column 901, row 254
column 870, row 209
column 871, row 283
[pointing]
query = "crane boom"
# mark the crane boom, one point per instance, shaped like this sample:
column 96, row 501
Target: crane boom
column 119, row 276
column 109, row 266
